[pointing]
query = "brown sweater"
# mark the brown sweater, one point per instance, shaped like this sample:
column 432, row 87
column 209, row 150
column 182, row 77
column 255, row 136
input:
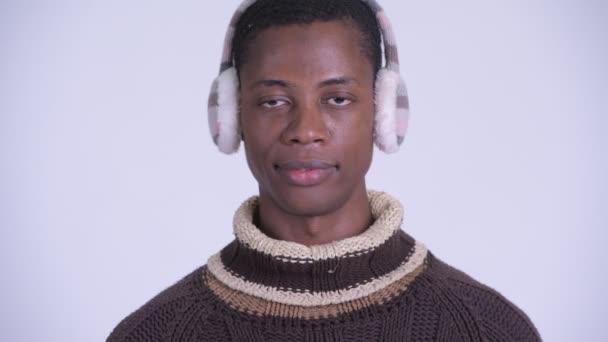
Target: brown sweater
column 381, row 285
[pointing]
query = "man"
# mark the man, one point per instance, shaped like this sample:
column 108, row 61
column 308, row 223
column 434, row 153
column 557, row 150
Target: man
column 318, row 256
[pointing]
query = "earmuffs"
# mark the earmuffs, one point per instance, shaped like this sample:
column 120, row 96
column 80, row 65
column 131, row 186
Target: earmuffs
column 391, row 100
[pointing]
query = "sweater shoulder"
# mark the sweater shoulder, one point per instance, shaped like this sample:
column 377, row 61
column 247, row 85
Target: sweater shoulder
column 496, row 317
column 154, row 320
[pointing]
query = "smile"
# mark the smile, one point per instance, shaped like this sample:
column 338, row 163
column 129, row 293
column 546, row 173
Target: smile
column 305, row 172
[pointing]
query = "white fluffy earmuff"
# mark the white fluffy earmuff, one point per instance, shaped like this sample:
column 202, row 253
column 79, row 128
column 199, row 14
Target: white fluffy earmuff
column 387, row 82
column 391, row 100
column 229, row 133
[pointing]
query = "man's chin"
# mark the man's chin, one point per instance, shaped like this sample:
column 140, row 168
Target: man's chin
column 308, row 201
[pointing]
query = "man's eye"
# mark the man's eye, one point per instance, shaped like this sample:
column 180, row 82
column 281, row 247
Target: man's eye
column 273, row 103
column 339, row 101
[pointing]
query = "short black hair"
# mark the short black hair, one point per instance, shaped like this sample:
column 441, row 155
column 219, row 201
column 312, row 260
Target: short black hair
column 264, row 14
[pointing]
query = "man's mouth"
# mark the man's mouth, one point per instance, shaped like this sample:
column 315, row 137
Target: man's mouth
column 305, row 172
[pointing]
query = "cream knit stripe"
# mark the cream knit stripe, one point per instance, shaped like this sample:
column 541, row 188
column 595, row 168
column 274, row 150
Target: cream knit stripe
column 257, row 306
column 386, row 210
column 308, row 299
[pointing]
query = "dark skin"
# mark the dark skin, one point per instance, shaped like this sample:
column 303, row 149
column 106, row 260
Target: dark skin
column 307, row 104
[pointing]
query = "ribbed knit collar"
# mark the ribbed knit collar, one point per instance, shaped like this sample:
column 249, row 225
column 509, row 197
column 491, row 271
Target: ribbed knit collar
column 295, row 274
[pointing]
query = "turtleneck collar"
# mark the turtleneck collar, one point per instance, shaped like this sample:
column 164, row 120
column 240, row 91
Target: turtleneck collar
column 295, row 274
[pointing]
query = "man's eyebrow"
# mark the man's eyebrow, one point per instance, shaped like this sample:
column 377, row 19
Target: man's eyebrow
column 271, row 83
column 341, row 80
column 337, row 81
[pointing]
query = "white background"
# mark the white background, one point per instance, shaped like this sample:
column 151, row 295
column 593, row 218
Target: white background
column 111, row 189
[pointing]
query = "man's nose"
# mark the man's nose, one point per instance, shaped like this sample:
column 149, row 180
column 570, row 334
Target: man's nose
column 307, row 125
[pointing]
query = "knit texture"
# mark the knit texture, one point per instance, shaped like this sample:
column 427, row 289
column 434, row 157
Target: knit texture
column 381, row 285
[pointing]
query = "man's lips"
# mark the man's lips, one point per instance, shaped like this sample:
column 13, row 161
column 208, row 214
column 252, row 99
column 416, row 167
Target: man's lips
column 305, row 172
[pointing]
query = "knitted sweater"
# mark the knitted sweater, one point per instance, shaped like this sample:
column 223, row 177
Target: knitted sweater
column 381, row 285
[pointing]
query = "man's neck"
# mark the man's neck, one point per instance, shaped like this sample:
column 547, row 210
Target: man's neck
column 351, row 219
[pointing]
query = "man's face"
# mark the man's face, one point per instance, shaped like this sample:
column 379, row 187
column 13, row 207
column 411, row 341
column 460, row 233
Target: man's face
column 307, row 108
